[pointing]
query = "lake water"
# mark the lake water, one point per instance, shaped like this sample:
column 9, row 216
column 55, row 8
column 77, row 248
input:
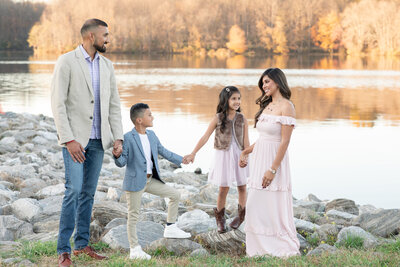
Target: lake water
column 346, row 143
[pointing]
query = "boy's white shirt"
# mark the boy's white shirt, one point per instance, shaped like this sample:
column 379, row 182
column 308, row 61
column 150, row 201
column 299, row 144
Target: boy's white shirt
column 144, row 139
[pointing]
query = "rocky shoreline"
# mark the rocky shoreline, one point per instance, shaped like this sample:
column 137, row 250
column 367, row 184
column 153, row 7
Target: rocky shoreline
column 32, row 186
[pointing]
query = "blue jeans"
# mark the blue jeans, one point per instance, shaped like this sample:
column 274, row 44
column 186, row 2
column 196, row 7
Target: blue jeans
column 80, row 187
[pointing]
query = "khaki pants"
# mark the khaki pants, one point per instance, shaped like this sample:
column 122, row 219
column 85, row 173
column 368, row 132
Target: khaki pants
column 134, row 199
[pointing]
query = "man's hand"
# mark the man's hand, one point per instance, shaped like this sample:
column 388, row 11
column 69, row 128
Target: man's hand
column 76, row 151
column 117, row 148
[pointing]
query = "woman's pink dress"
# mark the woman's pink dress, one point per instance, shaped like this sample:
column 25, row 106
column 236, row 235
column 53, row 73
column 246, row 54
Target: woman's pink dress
column 270, row 228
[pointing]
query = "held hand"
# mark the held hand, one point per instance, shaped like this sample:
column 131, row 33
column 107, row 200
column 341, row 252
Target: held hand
column 188, row 159
column 117, row 148
column 267, row 178
column 76, row 151
column 243, row 160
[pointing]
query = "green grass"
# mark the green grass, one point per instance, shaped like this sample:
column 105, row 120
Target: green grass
column 353, row 242
column 349, row 254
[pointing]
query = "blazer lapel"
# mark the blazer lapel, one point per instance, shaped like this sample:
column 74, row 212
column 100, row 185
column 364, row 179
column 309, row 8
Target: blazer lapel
column 82, row 62
column 138, row 142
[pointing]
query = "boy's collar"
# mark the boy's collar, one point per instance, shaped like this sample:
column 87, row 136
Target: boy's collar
column 136, row 132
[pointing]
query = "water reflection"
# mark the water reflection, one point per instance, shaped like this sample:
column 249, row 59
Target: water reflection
column 348, row 112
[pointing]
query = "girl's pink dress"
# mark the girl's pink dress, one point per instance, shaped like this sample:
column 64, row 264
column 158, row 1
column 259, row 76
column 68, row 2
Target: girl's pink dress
column 225, row 170
column 270, row 228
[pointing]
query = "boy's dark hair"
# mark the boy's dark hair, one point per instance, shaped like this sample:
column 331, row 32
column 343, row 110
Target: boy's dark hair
column 91, row 23
column 137, row 111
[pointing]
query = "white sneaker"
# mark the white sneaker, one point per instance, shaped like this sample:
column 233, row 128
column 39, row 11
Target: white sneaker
column 137, row 253
column 172, row 231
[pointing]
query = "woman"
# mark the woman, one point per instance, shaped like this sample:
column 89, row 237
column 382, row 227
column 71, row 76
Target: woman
column 270, row 228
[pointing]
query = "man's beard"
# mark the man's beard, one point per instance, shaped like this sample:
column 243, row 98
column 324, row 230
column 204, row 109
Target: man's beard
column 101, row 49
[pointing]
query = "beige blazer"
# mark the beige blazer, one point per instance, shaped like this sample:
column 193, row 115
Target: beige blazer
column 72, row 100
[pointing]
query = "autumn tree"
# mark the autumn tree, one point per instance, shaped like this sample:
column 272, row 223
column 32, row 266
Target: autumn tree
column 237, row 40
column 328, row 32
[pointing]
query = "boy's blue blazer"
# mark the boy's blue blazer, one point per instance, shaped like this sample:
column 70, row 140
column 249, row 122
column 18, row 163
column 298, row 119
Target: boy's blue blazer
column 133, row 156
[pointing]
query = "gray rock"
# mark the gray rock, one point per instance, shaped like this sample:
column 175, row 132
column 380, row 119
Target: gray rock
column 207, row 208
column 26, row 208
column 201, row 252
column 25, row 263
column 304, row 245
column 105, row 211
column 158, row 204
column 95, row 232
column 38, row 140
column 328, row 232
column 154, row 216
column 147, row 232
column 208, row 194
column 305, row 214
column 384, row 223
column 196, row 222
column 312, row 198
column 18, row 172
column 24, row 137
column 46, row 226
column 43, row 237
column 367, row 209
column 114, row 194
column 305, row 226
column 33, row 184
column 323, row 249
column 232, row 242
column 340, row 217
column 115, row 222
column 8, row 141
column 9, row 247
column 342, row 204
column 353, row 231
column 311, row 205
column 52, row 190
column 4, row 149
column 178, row 247
column 6, row 196
column 12, row 228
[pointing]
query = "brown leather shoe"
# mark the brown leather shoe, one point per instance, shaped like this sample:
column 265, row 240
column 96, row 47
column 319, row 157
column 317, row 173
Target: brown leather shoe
column 237, row 221
column 220, row 218
column 64, row 260
column 88, row 250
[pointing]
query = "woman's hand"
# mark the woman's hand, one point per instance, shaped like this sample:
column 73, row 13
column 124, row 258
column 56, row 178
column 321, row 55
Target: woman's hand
column 243, row 159
column 267, row 178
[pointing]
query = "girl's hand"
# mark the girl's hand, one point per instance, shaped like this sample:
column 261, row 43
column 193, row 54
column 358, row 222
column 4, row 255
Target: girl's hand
column 188, row 159
column 267, row 178
column 243, row 160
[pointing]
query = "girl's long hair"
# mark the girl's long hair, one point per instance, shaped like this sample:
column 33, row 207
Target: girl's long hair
column 279, row 78
column 223, row 104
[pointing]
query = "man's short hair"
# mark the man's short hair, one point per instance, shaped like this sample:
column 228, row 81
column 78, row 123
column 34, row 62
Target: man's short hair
column 91, row 23
column 137, row 111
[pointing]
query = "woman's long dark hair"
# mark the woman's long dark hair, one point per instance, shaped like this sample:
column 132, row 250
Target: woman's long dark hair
column 223, row 104
column 279, row 78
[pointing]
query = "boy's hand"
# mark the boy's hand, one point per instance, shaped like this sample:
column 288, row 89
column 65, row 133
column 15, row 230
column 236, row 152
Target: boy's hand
column 188, row 159
column 117, row 149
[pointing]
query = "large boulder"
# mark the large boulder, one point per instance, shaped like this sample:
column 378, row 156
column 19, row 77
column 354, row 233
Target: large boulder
column 196, row 222
column 384, row 223
column 105, row 211
column 305, row 227
column 369, row 241
column 311, row 205
column 12, row 228
column 178, row 247
column 340, row 217
column 154, row 216
column 342, row 204
column 232, row 242
column 51, row 190
column 147, row 232
column 323, row 249
column 26, row 208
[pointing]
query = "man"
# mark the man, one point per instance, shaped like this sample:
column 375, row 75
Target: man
column 87, row 114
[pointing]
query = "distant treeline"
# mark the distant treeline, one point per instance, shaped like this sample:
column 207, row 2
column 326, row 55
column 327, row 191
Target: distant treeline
column 225, row 26
column 16, row 20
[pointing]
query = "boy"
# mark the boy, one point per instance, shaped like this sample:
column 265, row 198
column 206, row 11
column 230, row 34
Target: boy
column 140, row 152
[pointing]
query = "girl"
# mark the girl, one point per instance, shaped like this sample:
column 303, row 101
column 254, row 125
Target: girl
column 270, row 228
column 231, row 137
